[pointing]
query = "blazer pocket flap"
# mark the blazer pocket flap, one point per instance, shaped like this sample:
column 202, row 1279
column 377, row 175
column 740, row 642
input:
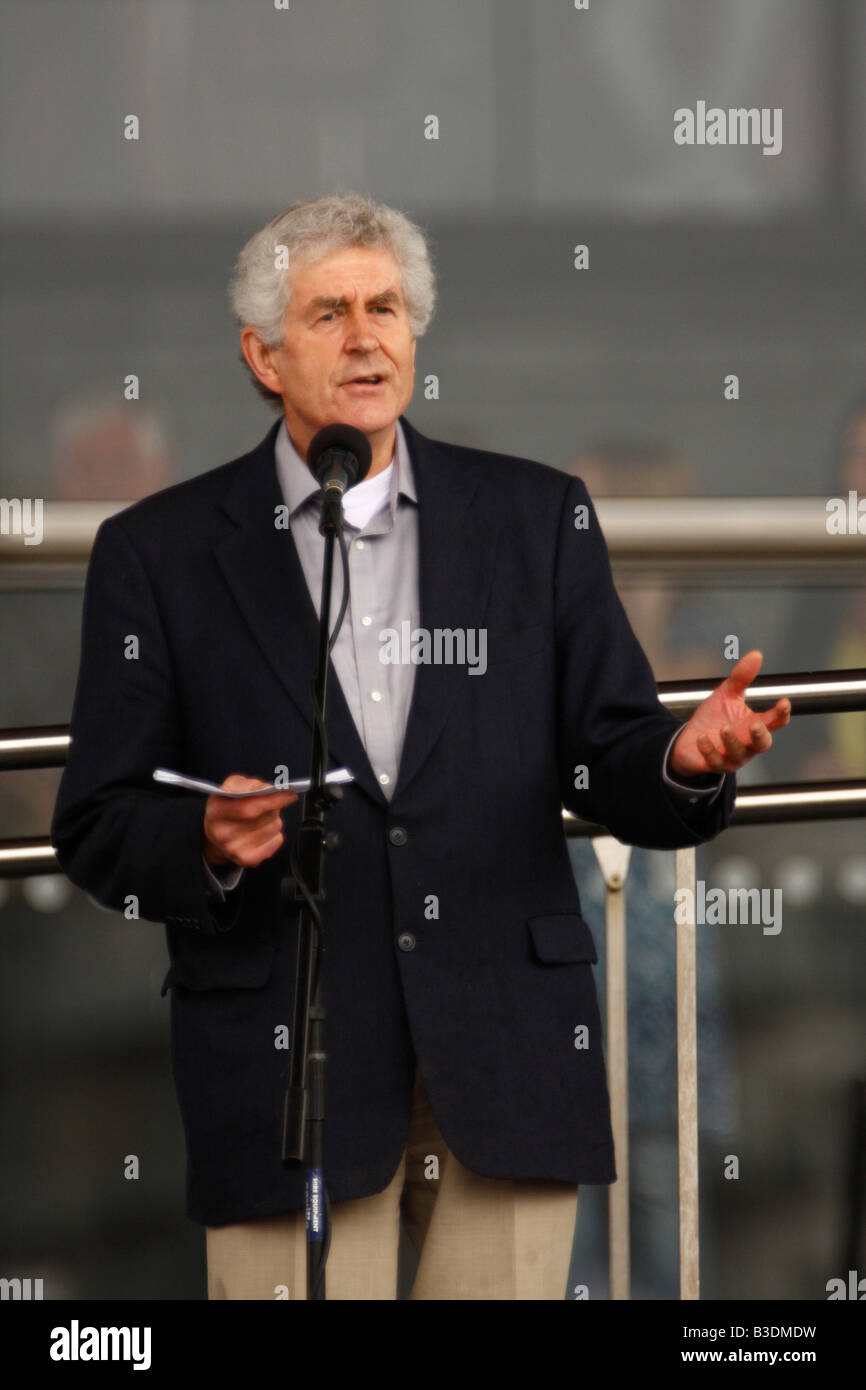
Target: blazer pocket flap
column 246, row 968
column 561, row 939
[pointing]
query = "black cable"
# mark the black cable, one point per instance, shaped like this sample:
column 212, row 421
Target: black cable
column 344, row 556
column 318, row 717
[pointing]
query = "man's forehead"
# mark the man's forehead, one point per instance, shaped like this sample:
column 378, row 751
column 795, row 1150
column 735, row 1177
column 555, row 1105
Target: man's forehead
column 371, row 271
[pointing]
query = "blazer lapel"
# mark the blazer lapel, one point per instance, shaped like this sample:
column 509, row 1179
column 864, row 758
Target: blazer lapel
column 456, row 545
column 261, row 567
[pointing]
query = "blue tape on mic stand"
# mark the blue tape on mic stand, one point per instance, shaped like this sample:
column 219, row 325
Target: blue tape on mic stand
column 315, row 1204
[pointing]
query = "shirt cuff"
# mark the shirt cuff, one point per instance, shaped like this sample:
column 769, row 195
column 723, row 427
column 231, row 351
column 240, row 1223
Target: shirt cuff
column 691, row 790
column 221, row 878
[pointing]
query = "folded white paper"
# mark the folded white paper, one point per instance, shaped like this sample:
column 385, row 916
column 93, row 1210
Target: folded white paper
column 198, row 784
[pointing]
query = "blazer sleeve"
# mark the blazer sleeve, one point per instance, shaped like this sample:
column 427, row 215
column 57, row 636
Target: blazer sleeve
column 610, row 720
column 130, row 844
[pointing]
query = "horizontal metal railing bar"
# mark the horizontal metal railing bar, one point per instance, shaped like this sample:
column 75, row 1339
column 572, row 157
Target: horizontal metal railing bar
column 745, row 530
column 810, row 692
column 31, row 747
column 693, row 575
column 785, row 802
column 27, row 856
column 24, row 749
column 68, row 529
column 773, row 804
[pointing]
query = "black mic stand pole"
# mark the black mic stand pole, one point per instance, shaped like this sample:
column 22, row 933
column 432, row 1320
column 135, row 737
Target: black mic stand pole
column 304, row 1111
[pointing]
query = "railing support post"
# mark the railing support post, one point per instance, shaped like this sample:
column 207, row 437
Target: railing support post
column 613, row 859
column 687, row 1079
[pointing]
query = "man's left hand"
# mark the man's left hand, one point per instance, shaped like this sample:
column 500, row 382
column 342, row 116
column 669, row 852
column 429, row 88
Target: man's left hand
column 723, row 734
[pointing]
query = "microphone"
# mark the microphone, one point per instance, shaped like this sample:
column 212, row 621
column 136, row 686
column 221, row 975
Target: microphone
column 339, row 456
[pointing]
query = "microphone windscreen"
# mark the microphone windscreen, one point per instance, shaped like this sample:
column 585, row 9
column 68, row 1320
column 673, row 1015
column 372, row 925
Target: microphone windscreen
column 350, row 441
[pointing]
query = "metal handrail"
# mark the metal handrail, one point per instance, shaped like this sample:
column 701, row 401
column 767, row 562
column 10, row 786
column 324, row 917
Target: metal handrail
column 810, row 692
column 789, row 528
column 774, row 804
column 34, row 746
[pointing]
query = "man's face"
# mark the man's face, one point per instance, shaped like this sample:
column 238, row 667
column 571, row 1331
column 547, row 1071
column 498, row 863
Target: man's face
column 346, row 320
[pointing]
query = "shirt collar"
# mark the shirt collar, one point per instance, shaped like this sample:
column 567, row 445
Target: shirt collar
column 298, row 485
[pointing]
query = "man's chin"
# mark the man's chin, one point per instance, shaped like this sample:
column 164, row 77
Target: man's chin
column 370, row 419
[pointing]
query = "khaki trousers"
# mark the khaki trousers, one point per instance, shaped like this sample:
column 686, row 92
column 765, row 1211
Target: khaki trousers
column 476, row 1237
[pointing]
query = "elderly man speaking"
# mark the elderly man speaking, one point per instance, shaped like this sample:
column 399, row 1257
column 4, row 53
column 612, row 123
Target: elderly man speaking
column 458, row 967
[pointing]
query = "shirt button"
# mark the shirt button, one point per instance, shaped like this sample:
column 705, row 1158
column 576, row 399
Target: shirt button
column 397, row 835
column 376, row 695
column 365, row 622
column 359, row 545
column 406, row 941
column 384, row 778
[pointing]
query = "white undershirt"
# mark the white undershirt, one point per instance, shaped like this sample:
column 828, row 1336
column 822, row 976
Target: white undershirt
column 365, row 499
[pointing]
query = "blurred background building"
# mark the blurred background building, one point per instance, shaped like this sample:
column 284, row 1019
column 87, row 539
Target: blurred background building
column 555, row 130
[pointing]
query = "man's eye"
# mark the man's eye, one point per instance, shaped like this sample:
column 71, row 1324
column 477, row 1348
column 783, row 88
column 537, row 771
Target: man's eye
column 384, row 309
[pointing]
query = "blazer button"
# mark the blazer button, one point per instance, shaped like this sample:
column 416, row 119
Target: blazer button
column 397, row 835
column 406, row 941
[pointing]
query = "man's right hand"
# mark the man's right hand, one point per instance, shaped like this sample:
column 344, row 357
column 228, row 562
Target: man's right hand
column 244, row 832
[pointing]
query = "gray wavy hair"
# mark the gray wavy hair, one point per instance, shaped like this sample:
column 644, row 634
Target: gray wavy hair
column 309, row 230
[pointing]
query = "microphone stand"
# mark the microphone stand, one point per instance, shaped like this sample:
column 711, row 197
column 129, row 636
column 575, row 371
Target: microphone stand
column 304, row 1106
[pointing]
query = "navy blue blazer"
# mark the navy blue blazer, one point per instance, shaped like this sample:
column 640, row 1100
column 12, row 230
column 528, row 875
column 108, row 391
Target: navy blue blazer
column 486, row 991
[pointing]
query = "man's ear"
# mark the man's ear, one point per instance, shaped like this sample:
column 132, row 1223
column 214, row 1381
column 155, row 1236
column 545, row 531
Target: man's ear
column 258, row 358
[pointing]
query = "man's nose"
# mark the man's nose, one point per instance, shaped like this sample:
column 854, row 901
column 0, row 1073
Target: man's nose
column 361, row 335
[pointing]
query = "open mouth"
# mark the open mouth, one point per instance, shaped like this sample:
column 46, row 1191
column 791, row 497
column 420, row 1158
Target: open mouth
column 374, row 379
